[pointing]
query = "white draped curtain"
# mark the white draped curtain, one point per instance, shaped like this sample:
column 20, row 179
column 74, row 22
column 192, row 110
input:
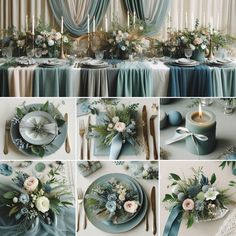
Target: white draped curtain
column 13, row 12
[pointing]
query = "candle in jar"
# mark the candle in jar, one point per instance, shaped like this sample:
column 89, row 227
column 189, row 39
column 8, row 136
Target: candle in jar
column 201, row 123
column 94, row 24
column 106, row 24
column 128, row 19
column 62, row 25
column 33, row 25
column 26, row 23
column 88, row 25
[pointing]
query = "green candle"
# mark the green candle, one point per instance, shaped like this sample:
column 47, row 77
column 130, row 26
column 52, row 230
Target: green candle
column 201, row 123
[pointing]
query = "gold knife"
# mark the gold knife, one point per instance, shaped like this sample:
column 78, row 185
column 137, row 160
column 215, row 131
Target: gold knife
column 145, row 132
column 153, row 134
column 67, row 143
column 88, row 138
column 153, row 206
column 6, row 137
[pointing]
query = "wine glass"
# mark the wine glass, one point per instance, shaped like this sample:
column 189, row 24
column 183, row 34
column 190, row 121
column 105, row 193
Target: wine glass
column 30, row 52
column 188, row 53
column 99, row 55
column 4, row 52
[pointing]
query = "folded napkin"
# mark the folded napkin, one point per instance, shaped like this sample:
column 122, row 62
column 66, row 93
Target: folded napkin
column 46, row 128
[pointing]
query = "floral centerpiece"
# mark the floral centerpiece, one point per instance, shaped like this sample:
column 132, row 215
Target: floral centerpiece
column 118, row 126
column 113, row 201
column 196, row 199
column 31, row 198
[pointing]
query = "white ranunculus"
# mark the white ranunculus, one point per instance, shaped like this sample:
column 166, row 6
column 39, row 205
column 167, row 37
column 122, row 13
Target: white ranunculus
column 115, row 119
column 211, row 194
column 131, row 207
column 50, row 42
column 192, row 47
column 120, row 127
column 31, row 183
column 42, row 204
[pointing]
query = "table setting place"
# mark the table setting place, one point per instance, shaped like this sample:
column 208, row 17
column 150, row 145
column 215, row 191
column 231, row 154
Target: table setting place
column 200, row 129
column 117, row 198
column 38, row 128
column 111, row 129
column 37, row 198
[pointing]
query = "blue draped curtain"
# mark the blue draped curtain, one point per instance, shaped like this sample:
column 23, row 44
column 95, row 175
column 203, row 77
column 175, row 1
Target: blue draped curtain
column 97, row 8
column 158, row 12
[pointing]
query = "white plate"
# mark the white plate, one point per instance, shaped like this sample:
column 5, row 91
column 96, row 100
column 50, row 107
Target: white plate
column 30, row 135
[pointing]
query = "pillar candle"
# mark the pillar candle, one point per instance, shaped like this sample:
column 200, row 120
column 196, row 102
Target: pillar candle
column 62, row 25
column 94, row 24
column 204, row 123
column 88, row 25
column 33, row 25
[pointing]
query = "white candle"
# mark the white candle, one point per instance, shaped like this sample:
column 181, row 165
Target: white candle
column 26, row 23
column 128, row 19
column 204, row 19
column 94, row 24
column 169, row 20
column 106, row 24
column 62, row 25
column 177, row 23
column 134, row 18
column 218, row 22
column 186, row 20
column 211, row 25
column 88, row 25
column 33, row 25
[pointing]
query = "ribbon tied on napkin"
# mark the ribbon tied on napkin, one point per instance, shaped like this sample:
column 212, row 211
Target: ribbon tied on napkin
column 182, row 133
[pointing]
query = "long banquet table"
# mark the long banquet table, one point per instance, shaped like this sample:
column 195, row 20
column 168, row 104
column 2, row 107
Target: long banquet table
column 126, row 78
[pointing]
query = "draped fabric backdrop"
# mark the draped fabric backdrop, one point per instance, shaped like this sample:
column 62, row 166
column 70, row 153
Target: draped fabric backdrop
column 155, row 12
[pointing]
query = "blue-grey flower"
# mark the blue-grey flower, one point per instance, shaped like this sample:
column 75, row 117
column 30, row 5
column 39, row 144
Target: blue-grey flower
column 112, row 197
column 205, row 188
column 194, row 190
column 111, row 206
column 199, row 205
column 47, row 188
column 181, row 197
column 5, row 169
column 24, row 198
column 24, row 211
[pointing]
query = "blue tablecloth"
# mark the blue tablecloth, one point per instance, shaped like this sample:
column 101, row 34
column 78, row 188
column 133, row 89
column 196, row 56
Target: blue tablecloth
column 190, row 81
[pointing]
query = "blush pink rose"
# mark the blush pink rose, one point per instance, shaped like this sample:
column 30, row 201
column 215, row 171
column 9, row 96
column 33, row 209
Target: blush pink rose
column 131, row 207
column 120, row 127
column 188, row 204
column 31, row 183
column 198, row 41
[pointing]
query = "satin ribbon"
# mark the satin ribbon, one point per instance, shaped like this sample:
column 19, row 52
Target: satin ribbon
column 47, row 128
column 173, row 222
column 182, row 133
column 116, row 146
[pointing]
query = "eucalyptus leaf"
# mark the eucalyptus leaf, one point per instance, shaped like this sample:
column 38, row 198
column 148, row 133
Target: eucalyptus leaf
column 38, row 150
column 40, row 167
column 9, row 195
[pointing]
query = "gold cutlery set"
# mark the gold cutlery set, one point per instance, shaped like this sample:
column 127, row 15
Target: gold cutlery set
column 152, row 133
column 84, row 134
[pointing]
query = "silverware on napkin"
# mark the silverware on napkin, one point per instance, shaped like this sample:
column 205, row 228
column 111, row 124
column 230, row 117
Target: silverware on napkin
column 6, row 137
column 145, row 132
column 153, row 207
column 153, row 134
column 88, row 137
column 80, row 197
column 67, row 143
column 81, row 133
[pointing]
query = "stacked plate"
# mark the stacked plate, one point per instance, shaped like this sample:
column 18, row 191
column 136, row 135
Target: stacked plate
column 39, row 129
column 219, row 62
column 94, row 64
column 25, row 61
column 185, row 62
column 122, row 224
column 50, row 63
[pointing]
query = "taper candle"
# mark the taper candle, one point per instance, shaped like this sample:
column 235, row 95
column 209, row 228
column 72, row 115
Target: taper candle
column 211, row 25
column 128, row 19
column 94, row 24
column 33, row 25
column 106, row 23
column 134, row 22
column 204, row 19
column 26, row 23
column 62, row 25
column 88, row 24
column 201, row 123
column 186, row 20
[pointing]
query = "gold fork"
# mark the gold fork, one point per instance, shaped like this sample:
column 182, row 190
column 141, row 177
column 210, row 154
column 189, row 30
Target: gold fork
column 82, row 133
column 80, row 197
column 6, row 138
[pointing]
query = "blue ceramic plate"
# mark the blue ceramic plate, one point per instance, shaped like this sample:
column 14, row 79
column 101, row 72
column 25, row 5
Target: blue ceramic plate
column 108, row 226
column 49, row 149
column 127, row 149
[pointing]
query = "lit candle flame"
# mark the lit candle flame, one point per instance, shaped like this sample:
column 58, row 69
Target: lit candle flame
column 200, row 111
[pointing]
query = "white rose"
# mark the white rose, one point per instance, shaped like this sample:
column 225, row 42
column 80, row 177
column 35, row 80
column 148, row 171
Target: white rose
column 120, row 127
column 15, row 199
column 42, row 204
column 31, row 183
column 121, row 197
column 115, row 119
column 50, row 42
column 131, row 207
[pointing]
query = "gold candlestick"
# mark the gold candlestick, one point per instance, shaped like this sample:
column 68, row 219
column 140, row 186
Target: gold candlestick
column 210, row 55
column 62, row 56
column 89, row 51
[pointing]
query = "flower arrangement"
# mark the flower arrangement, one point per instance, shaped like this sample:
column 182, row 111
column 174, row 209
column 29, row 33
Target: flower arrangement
column 118, row 121
column 198, row 197
column 38, row 150
column 32, row 197
column 113, row 201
